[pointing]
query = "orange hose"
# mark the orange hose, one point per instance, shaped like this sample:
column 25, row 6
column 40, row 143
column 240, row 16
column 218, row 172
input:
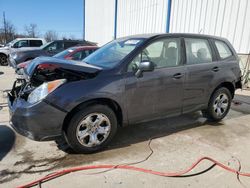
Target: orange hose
column 127, row 167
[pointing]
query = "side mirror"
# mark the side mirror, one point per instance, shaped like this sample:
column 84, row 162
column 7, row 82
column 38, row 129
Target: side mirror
column 145, row 66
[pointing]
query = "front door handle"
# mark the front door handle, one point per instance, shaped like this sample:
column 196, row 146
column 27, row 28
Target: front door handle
column 177, row 76
column 216, row 69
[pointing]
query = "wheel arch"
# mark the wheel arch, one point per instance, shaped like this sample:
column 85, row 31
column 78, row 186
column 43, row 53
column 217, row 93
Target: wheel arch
column 229, row 85
column 1, row 53
column 104, row 101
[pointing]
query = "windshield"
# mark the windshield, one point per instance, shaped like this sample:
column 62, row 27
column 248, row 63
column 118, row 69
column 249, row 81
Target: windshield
column 11, row 43
column 45, row 45
column 112, row 53
column 62, row 54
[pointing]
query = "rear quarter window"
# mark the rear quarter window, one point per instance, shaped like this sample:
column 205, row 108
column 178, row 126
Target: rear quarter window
column 36, row 43
column 223, row 49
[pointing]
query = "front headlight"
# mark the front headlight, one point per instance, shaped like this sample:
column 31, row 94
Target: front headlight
column 14, row 55
column 43, row 90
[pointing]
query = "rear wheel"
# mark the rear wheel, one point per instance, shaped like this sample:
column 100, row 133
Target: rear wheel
column 91, row 129
column 219, row 105
column 3, row 60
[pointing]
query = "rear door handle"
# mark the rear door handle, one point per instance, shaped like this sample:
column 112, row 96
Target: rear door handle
column 177, row 76
column 216, row 69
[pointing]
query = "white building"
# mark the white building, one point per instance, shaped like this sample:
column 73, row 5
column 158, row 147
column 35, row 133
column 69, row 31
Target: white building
column 108, row 19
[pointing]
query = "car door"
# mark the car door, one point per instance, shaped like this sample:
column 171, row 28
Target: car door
column 202, row 68
column 157, row 93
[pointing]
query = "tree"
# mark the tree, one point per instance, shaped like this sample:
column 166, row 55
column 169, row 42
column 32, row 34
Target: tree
column 51, row 35
column 8, row 32
column 31, row 30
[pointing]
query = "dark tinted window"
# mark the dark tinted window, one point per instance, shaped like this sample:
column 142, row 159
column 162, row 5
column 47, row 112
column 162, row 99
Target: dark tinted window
column 69, row 44
column 197, row 51
column 223, row 49
column 36, row 43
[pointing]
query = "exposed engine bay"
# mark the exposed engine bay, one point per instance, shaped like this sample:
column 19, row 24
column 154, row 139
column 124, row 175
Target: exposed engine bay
column 42, row 73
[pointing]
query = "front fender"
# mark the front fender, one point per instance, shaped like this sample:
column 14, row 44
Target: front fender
column 71, row 94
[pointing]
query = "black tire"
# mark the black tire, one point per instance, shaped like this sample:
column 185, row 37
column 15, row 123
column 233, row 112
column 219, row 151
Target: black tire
column 3, row 60
column 71, row 130
column 210, row 113
column 63, row 145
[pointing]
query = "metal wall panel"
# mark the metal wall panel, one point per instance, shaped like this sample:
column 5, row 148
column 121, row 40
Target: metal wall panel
column 99, row 20
column 226, row 18
column 141, row 16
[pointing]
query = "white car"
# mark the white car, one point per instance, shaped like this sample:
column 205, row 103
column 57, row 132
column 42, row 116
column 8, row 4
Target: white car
column 19, row 43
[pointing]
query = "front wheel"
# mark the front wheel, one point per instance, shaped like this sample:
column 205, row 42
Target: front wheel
column 219, row 105
column 3, row 60
column 91, row 129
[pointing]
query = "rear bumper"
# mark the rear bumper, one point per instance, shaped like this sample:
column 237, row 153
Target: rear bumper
column 40, row 121
column 238, row 84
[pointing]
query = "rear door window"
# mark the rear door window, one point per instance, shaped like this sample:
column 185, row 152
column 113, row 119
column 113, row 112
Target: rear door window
column 36, row 43
column 223, row 50
column 197, row 51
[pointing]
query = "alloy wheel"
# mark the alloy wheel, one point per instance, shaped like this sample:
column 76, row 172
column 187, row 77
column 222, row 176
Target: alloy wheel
column 221, row 104
column 93, row 129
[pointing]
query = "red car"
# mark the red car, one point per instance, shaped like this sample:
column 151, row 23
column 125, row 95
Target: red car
column 76, row 53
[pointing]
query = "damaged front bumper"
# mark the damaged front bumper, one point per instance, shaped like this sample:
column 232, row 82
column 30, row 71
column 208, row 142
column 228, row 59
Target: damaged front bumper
column 40, row 121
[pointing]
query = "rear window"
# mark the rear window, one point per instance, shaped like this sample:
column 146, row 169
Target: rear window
column 69, row 44
column 223, row 49
column 36, row 43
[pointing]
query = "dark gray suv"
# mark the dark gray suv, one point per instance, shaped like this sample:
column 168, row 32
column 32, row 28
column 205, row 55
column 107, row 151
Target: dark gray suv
column 134, row 79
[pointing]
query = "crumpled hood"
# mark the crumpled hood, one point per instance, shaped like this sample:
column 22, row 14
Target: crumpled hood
column 78, row 66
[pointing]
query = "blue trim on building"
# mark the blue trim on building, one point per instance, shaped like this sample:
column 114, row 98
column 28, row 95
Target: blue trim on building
column 168, row 16
column 115, row 21
column 83, row 34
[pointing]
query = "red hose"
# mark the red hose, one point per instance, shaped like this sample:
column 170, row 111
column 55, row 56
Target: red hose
column 127, row 167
